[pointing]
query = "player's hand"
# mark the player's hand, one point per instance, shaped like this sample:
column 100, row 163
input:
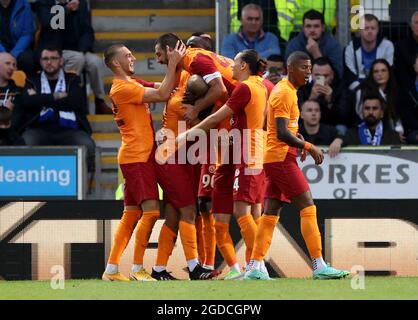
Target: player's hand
column 175, row 55
column 191, row 114
column 303, row 152
column 316, row 154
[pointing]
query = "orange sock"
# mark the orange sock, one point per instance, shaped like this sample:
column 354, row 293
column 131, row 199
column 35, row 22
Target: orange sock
column 264, row 234
column 143, row 232
column 310, row 231
column 209, row 233
column 200, row 239
column 123, row 233
column 248, row 231
column 166, row 242
column 224, row 242
column 188, row 239
column 248, row 252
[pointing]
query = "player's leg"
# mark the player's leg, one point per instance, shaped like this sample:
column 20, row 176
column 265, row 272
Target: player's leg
column 200, row 239
column 226, row 245
column 126, row 226
column 166, row 243
column 312, row 236
column 263, row 238
column 144, row 184
column 205, row 206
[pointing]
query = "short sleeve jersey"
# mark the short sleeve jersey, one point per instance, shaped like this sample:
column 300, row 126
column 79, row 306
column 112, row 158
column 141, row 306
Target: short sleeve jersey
column 248, row 101
column 133, row 118
column 282, row 103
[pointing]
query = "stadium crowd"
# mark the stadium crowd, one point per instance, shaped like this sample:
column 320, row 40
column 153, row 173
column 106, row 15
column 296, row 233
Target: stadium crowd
column 363, row 94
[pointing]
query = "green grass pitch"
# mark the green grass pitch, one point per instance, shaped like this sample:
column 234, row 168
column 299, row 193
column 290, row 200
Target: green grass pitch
column 288, row 289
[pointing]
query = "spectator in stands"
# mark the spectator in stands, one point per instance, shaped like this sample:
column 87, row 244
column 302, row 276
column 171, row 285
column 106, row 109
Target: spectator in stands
column 408, row 107
column 16, row 32
column 8, row 136
column 275, row 68
column 326, row 88
column 361, row 52
column 405, row 52
column 269, row 14
column 372, row 131
column 76, row 40
column 381, row 81
column 290, row 14
column 10, row 94
column 52, row 104
column 317, row 42
column 251, row 35
column 315, row 132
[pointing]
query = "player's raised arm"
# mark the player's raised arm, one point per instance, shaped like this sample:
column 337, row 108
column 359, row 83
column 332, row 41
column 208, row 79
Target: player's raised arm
column 163, row 92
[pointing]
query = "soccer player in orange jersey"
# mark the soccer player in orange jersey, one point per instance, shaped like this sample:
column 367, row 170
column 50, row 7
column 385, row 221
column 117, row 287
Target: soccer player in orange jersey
column 136, row 155
column 285, row 181
column 217, row 73
column 246, row 108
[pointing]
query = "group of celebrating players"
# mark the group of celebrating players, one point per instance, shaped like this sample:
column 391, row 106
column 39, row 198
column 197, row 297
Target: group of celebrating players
column 248, row 171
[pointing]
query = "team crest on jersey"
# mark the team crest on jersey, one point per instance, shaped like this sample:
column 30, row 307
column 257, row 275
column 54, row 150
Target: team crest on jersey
column 236, row 172
column 211, row 169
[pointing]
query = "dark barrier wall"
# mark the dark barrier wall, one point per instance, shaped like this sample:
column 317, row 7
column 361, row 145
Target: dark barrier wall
column 37, row 239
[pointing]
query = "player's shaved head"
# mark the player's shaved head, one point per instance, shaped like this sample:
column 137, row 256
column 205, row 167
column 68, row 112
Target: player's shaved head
column 197, row 86
column 110, row 53
column 197, row 42
column 296, row 57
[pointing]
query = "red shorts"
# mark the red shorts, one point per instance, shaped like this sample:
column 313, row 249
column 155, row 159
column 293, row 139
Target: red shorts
column 206, row 179
column 177, row 183
column 249, row 186
column 140, row 182
column 222, row 195
column 285, row 180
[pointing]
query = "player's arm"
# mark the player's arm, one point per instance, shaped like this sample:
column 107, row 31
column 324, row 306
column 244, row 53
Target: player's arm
column 216, row 92
column 214, row 119
column 163, row 92
column 290, row 139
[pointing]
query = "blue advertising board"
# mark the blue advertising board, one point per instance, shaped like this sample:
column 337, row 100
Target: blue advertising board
column 39, row 173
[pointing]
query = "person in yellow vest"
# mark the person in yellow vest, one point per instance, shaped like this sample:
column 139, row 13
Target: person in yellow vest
column 290, row 14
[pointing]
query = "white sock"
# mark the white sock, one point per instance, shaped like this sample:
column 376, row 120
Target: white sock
column 255, row 264
column 192, row 263
column 206, row 266
column 159, row 268
column 263, row 268
column 235, row 267
column 318, row 264
column 111, row 268
column 136, row 267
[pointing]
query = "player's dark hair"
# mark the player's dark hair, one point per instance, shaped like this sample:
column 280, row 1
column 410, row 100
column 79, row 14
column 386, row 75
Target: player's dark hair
column 167, row 39
column 110, row 53
column 313, row 15
column 275, row 58
column 297, row 56
column 255, row 63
